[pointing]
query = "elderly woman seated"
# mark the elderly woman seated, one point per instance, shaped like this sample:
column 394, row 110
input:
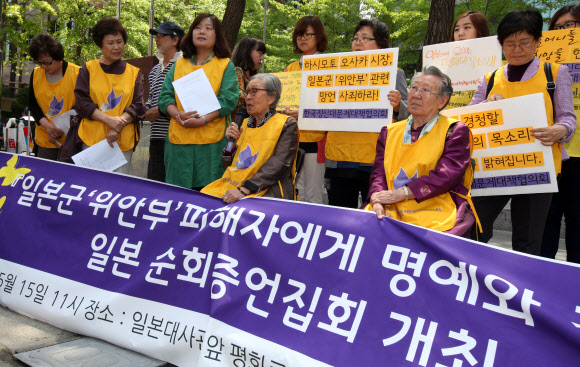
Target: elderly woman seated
column 267, row 144
column 422, row 172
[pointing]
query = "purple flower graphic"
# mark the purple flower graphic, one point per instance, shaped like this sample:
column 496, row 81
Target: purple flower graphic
column 112, row 101
column 246, row 159
column 55, row 107
column 402, row 179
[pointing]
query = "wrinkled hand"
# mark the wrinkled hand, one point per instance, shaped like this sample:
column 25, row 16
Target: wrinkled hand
column 388, row 197
column 549, row 135
column 233, row 132
column 379, row 210
column 189, row 119
column 116, row 123
column 394, row 97
column 292, row 113
column 152, row 114
column 231, row 196
column 112, row 136
column 494, row 97
column 53, row 132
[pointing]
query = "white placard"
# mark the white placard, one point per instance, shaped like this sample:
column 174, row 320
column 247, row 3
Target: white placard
column 62, row 121
column 196, row 93
column 347, row 91
column 101, row 156
column 509, row 161
column 464, row 61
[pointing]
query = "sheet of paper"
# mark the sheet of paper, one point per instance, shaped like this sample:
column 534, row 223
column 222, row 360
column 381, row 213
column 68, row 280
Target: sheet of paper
column 195, row 93
column 101, row 156
column 62, row 121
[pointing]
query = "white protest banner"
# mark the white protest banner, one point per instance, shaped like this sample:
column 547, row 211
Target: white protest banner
column 347, row 91
column 508, row 160
column 464, row 61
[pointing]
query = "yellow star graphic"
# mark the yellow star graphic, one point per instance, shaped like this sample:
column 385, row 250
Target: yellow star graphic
column 10, row 172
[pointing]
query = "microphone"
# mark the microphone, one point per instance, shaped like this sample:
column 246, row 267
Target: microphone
column 230, row 149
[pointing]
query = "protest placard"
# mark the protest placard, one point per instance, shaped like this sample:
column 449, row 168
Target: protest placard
column 508, row 160
column 465, row 62
column 559, row 46
column 347, row 91
column 181, row 277
column 291, row 82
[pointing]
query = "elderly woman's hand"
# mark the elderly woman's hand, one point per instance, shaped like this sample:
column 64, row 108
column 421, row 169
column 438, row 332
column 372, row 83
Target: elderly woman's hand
column 116, row 123
column 394, row 97
column 549, row 135
column 233, row 195
column 388, row 196
column 494, row 97
column 292, row 113
column 379, row 210
column 112, row 136
column 233, row 131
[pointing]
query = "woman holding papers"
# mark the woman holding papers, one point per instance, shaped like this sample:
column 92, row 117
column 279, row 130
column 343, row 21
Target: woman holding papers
column 267, row 143
column 566, row 201
column 309, row 38
column 194, row 144
column 470, row 25
column 349, row 155
column 519, row 33
column 51, row 92
column 422, row 172
column 109, row 93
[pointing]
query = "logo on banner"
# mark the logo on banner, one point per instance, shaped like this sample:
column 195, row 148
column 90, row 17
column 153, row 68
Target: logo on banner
column 10, row 173
column 112, row 101
column 246, row 159
column 55, row 107
column 402, row 179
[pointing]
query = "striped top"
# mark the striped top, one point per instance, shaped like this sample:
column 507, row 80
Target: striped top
column 156, row 77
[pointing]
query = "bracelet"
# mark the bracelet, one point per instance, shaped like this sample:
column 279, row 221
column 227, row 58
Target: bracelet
column 204, row 119
column 242, row 191
column 406, row 190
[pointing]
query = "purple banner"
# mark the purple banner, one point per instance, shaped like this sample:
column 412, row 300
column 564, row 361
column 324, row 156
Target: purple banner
column 368, row 113
column 526, row 179
column 336, row 285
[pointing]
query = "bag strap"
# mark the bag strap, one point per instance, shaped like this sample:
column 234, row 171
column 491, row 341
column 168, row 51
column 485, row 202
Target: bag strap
column 490, row 83
column 551, row 85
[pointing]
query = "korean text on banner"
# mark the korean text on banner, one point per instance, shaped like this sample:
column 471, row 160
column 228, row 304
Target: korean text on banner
column 464, row 61
column 347, row 91
column 291, row 82
column 508, row 160
column 177, row 275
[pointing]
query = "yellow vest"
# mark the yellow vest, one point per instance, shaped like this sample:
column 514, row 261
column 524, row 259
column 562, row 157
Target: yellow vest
column 438, row 213
column 255, row 147
column 537, row 84
column 573, row 147
column 112, row 94
column 54, row 99
column 351, row 147
column 215, row 130
column 306, row 136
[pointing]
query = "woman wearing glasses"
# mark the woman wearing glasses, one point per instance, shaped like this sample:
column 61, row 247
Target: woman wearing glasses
column 519, row 33
column 267, row 144
column 422, row 171
column 51, row 92
column 194, row 144
column 309, row 38
column 350, row 156
column 566, row 201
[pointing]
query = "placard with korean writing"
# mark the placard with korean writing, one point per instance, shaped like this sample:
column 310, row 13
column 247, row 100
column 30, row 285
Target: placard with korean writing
column 181, row 277
column 508, row 160
column 559, row 46
column 465, row 62
column 291, row 82
column 347, row 91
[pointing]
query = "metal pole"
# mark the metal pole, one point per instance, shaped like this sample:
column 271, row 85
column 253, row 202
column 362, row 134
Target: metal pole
column 119, row 10
column 151, row 25
column 2, row 46
column 264, row 32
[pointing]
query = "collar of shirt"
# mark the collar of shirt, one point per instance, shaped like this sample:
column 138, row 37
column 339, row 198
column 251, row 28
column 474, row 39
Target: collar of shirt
column 252, row 120
column 407, row 139
column 193, row 59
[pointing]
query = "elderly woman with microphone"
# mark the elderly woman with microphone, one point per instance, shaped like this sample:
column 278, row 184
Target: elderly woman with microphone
column 267, row 142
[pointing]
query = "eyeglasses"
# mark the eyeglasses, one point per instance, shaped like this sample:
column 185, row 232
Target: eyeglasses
column 305, row 36
column 569, row 24
column 361, row 40
column 422, row 91
column 252, row 91
column 161, row 35
column 524, row 45
column 44, row 63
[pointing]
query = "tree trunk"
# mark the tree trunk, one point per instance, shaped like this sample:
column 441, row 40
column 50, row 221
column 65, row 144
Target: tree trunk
column 233, row 20
column 439, row 26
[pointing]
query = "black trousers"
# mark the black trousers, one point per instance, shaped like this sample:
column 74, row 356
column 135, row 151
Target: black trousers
column 344, row 192
column 156, row 166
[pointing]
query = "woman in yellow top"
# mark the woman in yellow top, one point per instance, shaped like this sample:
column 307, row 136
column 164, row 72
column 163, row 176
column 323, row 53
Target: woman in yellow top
column 51, row 92
column 267, row 144
column 193, row 149
column 566, row 202
column 309, row 38
column 109, row 93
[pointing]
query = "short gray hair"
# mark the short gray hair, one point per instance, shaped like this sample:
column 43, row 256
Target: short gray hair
column 272, row 85
column 445, row 87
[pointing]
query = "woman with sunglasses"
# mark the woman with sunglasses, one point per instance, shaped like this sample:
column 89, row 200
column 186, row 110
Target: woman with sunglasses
column 51, row 92
column 519, row 34
column 565, row 202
